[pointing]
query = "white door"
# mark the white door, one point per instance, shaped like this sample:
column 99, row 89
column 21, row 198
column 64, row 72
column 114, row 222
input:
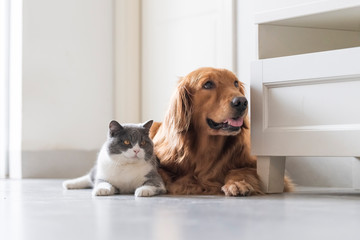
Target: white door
column 179, row 36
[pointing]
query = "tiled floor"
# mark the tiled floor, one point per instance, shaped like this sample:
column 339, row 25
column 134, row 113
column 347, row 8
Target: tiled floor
column 41, row 209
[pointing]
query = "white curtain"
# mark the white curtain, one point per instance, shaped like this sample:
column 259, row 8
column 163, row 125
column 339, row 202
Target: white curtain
column 4, row 86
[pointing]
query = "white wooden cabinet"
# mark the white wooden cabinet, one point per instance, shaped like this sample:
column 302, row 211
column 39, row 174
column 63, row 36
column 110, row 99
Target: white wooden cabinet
column 305, row 86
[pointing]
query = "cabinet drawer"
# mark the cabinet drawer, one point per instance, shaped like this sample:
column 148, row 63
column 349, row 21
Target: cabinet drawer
column 307, row 105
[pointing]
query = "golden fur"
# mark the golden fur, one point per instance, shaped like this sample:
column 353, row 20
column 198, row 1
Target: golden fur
column 195, row 158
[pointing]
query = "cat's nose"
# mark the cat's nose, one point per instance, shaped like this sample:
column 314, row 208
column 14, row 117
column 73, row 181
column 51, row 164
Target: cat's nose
column 136, row 151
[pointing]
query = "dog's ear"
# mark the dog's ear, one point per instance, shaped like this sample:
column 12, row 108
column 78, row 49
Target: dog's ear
column 246, row 123
column 242, row 88
column 179, row 113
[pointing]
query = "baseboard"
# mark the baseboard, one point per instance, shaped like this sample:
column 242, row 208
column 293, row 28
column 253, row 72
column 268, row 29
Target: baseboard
column 57, row 163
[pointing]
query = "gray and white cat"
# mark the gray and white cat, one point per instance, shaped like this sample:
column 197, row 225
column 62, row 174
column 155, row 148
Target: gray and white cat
column 126, row 164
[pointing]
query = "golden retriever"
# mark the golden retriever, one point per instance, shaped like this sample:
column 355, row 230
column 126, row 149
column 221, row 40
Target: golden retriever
column 203, row 144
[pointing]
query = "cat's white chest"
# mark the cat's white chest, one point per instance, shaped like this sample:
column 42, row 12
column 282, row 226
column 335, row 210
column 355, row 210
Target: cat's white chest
column 123, row 173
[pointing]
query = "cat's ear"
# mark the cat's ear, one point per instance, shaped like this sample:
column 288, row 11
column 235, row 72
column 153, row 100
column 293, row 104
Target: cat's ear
column 147, row 125
column 114, row 127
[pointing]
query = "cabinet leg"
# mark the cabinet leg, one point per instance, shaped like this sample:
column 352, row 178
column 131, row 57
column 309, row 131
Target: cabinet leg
column 271, row 171
column 356, row 173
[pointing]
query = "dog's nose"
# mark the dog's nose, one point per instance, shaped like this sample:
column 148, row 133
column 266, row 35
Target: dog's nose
column 239, row 103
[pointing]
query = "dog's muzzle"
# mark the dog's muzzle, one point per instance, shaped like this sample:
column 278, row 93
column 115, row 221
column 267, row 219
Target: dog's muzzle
column 231, row 124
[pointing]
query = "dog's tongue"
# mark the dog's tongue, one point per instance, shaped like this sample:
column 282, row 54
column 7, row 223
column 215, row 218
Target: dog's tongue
column 235, row 122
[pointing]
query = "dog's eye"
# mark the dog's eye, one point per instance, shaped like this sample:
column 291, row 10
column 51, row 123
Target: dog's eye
column 209, row 85
column 236, row 83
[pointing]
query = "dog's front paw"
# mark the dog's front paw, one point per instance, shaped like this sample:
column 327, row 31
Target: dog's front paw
column 238, row 188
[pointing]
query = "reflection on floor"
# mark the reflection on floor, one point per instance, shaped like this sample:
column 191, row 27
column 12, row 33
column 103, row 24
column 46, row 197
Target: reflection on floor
column 41, row 209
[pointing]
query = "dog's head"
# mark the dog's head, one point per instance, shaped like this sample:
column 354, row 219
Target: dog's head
column 211, row 100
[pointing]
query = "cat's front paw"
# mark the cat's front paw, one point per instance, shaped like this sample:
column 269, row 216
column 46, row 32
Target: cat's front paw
column 69, row 184
column 146, row 191
column 103, row 189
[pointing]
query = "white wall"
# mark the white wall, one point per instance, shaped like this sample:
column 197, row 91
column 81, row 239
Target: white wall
column 67, row 73
column 127, row 60
column 268, row 5
column 67, row 82
column 179, row 36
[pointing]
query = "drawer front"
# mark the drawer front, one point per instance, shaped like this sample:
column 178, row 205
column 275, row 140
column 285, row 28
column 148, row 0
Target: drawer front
column 307, row 105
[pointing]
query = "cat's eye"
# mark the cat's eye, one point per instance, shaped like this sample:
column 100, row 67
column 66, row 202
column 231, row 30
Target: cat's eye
column 127, row 142
column 142, row 143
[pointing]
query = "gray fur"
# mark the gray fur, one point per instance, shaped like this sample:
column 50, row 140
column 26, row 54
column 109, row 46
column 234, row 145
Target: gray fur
column 154, row 179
